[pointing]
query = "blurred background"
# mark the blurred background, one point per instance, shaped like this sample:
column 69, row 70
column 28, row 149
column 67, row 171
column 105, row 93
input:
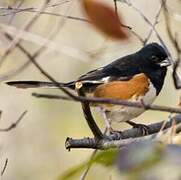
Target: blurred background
column 35, row 148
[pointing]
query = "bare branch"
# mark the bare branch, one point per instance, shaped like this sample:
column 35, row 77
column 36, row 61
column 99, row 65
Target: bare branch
column 17, row 39
column 51, row 35
column 116, row 8
column 84, row 175
column 14, row 125
column 111, row 101
column 174, row 41
column 126, row 137
column 88, row 116
column 14, row 14
column 47, row 42
column 154, row 24
column 168, row 28
column 89, row 165
column 4, row 167
column 150, row 24
column 32, row 10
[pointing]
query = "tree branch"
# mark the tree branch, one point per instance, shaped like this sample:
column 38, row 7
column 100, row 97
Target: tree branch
column 126, row 137
column 110, row 101
column 14, row 125
column 4, row 167
column 88, row 115
column 174, row 41
column 17, row 39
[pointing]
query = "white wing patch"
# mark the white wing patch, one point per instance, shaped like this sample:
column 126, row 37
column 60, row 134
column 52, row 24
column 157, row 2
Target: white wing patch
column 103, row 80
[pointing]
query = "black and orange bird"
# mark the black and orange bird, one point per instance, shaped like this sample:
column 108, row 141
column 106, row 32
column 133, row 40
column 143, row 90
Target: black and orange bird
column 138, row 77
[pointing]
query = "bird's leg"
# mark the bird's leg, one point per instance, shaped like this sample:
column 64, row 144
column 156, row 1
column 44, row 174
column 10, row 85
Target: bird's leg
column 110, row 130
column 142, row 127
column 107, row 122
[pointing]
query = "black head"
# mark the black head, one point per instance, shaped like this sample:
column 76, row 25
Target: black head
column 154, row 62
column 154, row 55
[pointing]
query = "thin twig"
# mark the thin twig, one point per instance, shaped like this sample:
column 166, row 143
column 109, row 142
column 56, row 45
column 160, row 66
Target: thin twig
column 150, row 24
column 19, row 4
column 50, row 77
column 89, row 165
column 176, row 78
column 154, row 24
column 4, row 167
column 111, row 101
column 174, row 41
column 163, row 125
column 83, row 176
column 17, row 39
column 168, row 27
column 23, row 66
column 51, row 35
column 116, row 8
column 14, row 125
column 31, row 9
column 47, row 42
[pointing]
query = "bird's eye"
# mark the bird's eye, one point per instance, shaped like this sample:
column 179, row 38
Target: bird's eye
column 154, row 58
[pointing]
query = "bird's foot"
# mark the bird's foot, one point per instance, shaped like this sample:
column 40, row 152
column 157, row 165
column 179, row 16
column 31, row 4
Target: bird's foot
column 143, row 128
column 116, row 135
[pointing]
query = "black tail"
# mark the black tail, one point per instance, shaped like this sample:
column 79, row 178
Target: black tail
column 36, row 84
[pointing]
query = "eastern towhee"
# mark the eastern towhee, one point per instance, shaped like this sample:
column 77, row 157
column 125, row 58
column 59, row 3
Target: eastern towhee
column 137, row 77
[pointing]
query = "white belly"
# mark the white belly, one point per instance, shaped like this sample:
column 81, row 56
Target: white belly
column 125, row 113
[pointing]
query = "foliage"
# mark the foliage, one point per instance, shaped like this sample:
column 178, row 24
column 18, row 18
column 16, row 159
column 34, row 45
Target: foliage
column 105, row 158
column 104, row 18
column 143, row 160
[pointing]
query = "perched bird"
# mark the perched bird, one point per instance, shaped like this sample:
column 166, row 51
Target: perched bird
column 138, row 77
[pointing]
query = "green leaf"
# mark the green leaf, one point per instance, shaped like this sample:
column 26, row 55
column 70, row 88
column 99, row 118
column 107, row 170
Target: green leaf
column 72, row 172
column 105, row 158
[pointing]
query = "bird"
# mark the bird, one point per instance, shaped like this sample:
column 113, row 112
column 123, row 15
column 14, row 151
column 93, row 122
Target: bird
column 137, row 77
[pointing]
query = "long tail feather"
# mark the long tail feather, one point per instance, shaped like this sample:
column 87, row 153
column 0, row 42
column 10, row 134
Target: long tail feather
column 36, row 84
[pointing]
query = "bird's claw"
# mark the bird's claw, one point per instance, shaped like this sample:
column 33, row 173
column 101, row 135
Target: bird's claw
column 116, row 135
column 143, row 128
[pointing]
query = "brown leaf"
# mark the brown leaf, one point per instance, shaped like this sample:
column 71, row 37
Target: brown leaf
column 104, row 18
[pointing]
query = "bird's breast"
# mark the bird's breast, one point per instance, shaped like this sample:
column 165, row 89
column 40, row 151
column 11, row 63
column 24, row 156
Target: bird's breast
column 138, row 89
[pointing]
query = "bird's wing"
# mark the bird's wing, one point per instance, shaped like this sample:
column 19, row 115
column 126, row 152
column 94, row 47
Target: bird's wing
column 99, row 76
column 120, row 70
